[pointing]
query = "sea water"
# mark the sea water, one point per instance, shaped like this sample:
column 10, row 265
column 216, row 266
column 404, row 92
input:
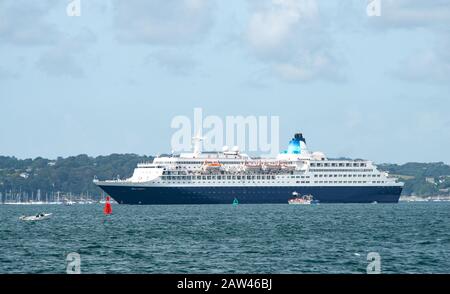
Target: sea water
column 326, row 238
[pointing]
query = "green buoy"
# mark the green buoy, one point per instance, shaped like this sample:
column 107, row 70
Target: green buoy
column 235, row 202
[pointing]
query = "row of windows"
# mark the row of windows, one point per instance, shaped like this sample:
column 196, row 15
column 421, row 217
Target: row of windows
column 340, row 164
column 298, row 182
column 349, row 182
column 228, row 182
column 174, row 172
column 340, row 170
column 261, row 177
column 345, row 175
column 313, row 164
column 201, row 162
column 193, row 178
column 231, row 177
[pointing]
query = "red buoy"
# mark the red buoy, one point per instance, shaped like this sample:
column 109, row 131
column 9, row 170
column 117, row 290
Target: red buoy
column 107, row 210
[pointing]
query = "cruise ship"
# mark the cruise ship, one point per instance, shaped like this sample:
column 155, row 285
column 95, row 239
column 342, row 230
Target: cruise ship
column 221, row 177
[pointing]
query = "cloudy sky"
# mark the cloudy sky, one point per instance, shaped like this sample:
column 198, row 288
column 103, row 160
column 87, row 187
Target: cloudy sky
column 112, row 79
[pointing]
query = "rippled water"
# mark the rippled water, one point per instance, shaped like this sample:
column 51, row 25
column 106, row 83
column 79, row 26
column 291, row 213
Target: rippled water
column 328, row 238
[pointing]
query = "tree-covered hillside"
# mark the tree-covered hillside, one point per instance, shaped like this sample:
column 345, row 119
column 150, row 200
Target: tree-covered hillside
column 421, row 179
column 65, row 175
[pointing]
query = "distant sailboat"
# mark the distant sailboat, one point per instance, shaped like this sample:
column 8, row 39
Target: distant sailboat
column 235, row 202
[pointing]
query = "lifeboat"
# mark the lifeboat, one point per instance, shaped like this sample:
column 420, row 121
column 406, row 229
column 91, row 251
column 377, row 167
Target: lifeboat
column 212, row 165
column 272, row 165
column 252, row 166
column 288, row 167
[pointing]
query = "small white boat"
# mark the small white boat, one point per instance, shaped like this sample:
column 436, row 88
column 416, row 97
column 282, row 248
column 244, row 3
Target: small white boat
column 299, row 200
column 40, row 216
column 305, row 199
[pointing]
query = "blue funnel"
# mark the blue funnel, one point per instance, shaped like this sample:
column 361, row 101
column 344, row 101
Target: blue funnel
column 294, row 144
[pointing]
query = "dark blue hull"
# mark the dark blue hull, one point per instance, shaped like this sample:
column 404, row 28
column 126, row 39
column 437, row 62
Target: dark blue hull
column 226, row 195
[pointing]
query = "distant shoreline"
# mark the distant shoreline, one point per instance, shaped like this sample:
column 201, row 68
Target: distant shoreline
column 413, row 198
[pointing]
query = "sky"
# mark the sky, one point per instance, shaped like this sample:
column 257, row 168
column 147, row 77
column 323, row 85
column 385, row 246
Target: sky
column 112, row 79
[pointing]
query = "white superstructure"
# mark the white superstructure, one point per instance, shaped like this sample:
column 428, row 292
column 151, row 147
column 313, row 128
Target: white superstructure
column 295, row 167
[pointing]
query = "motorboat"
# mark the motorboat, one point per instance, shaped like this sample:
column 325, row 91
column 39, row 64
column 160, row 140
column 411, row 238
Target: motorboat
column 305, row 199
column 40, row 216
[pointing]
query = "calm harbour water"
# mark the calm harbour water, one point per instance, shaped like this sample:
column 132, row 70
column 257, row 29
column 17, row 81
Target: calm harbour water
column 327, row 238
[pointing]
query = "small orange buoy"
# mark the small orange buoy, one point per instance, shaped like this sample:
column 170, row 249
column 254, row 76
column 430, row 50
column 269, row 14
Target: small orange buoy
column 107, row 210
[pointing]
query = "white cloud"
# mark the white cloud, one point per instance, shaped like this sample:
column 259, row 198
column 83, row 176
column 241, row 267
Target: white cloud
column 272, row 25
column 24, row 23
column 432, row 17
column 432, row 65
column 27, row 23
column 412, row 13
column 58, row 62
column 351, row 15
column 310, row 66
column 162, row 22
column 64, row 58
column 290, row 38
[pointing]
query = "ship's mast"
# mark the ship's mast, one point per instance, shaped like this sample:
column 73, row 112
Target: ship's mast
column 197, row 142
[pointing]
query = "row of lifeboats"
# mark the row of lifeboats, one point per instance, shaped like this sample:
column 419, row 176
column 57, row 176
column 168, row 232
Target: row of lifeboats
column 266, row 167
column 252, row 166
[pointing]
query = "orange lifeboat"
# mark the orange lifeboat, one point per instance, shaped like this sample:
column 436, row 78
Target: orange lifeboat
column 211, row 165
column 214, row 164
